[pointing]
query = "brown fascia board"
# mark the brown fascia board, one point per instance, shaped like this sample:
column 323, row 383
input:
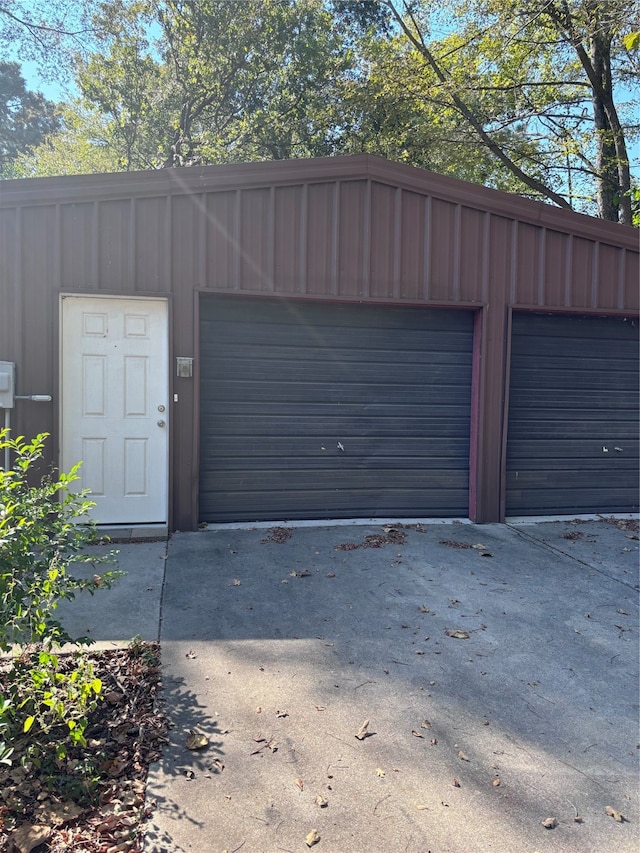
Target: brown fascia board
column 232, row 176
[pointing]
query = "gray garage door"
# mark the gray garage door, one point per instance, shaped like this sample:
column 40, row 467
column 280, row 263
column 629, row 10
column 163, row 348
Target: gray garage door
column 572, row 443
column 311, row 410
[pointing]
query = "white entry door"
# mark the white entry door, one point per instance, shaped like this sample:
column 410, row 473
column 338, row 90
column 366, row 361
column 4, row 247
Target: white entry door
column 114, row 408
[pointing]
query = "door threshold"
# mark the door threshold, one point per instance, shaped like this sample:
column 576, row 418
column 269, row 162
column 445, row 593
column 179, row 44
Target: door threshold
column 134, row 532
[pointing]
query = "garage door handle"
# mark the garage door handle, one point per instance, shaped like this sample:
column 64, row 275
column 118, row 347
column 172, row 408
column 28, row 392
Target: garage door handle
column 160, row 423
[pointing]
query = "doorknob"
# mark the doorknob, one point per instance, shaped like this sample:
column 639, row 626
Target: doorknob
column 160, row 423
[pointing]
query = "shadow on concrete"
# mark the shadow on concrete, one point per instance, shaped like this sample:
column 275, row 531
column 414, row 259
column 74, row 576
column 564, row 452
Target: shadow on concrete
column 539, row 696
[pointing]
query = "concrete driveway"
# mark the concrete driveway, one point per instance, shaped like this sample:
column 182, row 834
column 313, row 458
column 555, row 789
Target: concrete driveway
column 500, row 685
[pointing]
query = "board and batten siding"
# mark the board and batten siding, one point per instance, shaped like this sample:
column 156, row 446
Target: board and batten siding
column 352, row 229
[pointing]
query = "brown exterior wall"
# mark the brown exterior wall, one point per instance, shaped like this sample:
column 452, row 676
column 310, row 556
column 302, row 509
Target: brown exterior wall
column 354, row 228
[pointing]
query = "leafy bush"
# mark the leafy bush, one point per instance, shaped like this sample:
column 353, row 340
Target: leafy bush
column 44, row 532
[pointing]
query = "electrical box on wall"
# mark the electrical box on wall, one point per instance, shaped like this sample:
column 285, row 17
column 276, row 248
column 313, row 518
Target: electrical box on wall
column 7, row 384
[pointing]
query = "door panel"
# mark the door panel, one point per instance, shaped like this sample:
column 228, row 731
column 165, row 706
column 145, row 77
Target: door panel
column 114, row 404
column 312, row 410
column 572, row 444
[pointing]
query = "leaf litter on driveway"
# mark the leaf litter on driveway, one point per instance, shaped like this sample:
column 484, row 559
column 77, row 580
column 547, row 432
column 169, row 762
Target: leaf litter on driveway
column 323, row 678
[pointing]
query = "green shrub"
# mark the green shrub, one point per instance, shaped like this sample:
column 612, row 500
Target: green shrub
column 44, row 533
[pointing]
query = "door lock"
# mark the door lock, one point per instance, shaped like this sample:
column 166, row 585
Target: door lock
column 161, row 408
column 160, row 423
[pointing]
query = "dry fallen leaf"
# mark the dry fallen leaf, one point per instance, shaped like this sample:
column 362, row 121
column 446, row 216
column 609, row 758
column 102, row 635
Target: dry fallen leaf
column 479, row 547
column 616, row 815
column 282, row 714
column 113, row 697
column 550, row 823
column 463, row 757
column 425, row 724
column 415, row 733
column 424, row 609
column 455, row 783
column 457, row 634
column 362, row 732
column 312, row 838
column 303, row 573
column 60, row 813
column 196, row 740
column 578, row 819
column 28, row 836
column 380, row 772
column 496, row 783
column 321, row 801
column 422, row 808
column 433, row 741
column 300, row 783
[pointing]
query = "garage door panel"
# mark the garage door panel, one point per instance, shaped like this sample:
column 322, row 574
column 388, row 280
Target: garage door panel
column 573, row 449
column 362, row 447
column 283, row 339
column 566, row 399
column 279, row 382
column 337, row 428
column 337, row 394
column 290, row 505
column 573, row 400
column 277, row 373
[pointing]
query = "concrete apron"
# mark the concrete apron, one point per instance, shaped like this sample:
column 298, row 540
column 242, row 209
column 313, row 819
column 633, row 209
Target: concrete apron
column 279, row 651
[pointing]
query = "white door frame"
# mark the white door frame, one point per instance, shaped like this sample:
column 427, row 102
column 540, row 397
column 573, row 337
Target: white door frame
column 162, row 369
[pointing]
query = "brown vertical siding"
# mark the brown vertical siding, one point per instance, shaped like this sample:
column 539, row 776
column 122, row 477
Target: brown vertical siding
column 220, row 239
column 472, row 253
column 78, row 267
column 383, row 242
column 628, row 287
column 321, row 239
column 410, row 247
column 441, row 263
column 288, row 248
column 353, row 273
column 493, row 357
column 150, row 246
column 355, row 229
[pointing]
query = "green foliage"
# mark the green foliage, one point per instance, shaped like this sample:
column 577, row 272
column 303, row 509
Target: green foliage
column 25, row 117
column 535, row 98
column 50, row 695
column 43, row 534
column 83, row 145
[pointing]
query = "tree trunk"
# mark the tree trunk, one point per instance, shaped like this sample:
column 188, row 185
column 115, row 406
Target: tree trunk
column 608, row 189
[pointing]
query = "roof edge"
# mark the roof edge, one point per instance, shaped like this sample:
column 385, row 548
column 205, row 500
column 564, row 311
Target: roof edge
column 227, row 176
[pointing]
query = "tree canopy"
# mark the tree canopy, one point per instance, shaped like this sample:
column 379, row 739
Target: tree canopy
column 25, row 117
column 534, row 98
